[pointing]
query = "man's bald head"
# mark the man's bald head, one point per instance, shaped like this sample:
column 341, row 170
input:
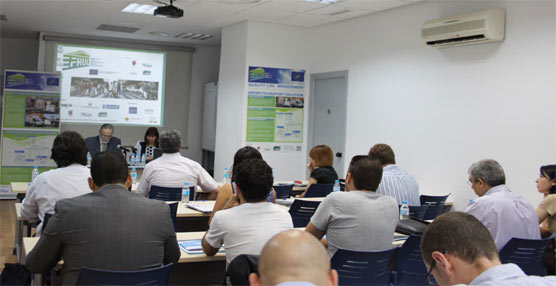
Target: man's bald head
column 294, row 255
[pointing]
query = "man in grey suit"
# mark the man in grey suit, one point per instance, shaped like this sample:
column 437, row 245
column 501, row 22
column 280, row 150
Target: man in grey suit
column 110, row 228
column 104, row 141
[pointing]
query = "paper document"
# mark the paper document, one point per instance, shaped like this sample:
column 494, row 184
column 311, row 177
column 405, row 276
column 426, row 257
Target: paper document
column 200, row 207
column 194, row 246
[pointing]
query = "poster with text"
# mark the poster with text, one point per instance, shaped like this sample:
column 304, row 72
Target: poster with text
column 275, row 108
column 109, row 85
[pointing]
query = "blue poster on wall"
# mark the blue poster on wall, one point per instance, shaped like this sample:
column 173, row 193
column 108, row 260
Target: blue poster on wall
column 37, row 81
column 275, row 75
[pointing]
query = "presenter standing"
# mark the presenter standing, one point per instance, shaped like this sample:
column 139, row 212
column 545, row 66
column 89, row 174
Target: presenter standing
column 150, row 142
column 104, row 141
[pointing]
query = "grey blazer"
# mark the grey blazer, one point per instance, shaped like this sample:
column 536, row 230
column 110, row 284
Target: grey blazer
column 111, row 229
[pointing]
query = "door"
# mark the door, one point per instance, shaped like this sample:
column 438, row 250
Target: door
column 327, row 117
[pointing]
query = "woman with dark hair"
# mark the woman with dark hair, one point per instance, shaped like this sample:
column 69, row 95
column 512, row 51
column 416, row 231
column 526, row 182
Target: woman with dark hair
column 546, row 184
column 322, row 172
column 546, row 211
column 69, row 180
column 150, row 141
column 226, row 191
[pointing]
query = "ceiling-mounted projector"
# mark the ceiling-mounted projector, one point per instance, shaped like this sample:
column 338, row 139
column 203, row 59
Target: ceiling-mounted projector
column 169, row 11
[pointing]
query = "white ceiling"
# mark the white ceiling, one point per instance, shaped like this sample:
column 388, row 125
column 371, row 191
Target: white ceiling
column 82, row 17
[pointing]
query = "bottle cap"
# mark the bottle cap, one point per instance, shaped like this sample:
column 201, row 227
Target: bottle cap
column 186, row 184
column 337, row 181
column 404, row 202
column 133, row 168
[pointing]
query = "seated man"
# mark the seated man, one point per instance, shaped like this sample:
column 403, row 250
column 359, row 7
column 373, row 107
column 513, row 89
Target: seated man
column 172, row 170
column 111, row 228
column 294, row 256
column 395, row 182
column 67, row 181
column 104, row 141
column 505, row 213
column 358, row 219
column 247, row 221
column 458, row 249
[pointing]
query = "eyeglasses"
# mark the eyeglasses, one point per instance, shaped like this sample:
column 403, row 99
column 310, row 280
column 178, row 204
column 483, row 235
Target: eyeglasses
column 429, row 277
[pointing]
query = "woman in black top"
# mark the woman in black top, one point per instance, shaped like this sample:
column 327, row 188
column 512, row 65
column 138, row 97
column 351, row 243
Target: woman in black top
column 320, row 166
column 150, row 142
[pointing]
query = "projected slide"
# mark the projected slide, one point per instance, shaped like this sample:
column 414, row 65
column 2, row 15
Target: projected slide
column 105, row 85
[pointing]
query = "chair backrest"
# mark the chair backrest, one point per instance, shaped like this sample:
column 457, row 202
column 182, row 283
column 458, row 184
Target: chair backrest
column 47, row 217
column 239, row 269
column 526, row 253
column 319, row 190
column 362, row 268
column 418, row 211
column 155, row 276
column 173, row 212
column 435, row 205
column 165, row 194
column 283, row 191
column 302, row 211
column 410, row 268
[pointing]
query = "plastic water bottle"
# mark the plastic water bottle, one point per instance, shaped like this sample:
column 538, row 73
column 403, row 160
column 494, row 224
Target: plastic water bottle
column 404, row 211
column 34, row 173
column 185, row 193
column 133, row 174
column 89, row 158
column 143, row 160
column 226, row 175
column 336, row 186
column 132, row 160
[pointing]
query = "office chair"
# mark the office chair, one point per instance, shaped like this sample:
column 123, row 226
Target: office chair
column 283, row 191
column 526, row 253
column 319, row 190
column 165, row 194
column 435, row 203
column 302, row 211
column 362, row 268
column 410, row 268
column 156, row 276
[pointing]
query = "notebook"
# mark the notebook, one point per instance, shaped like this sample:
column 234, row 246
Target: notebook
column 194, row 246
column 200, row 207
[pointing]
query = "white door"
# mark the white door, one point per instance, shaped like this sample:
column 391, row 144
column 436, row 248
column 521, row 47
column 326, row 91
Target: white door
column 327, row 117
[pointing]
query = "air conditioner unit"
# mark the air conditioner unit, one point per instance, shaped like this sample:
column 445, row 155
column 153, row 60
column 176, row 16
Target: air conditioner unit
column 470, row 28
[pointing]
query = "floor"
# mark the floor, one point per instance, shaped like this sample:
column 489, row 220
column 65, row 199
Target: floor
column 7, row 232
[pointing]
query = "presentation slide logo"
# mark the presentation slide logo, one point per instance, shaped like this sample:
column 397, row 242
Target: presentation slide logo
column 298, row 76
column 93, row 72
column 102, row 114
column 146, row 72
column 256, row 74
column 133, row 110
column 77, row 59
column 110, row 106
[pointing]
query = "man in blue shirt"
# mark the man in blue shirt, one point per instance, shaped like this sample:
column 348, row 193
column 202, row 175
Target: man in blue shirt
column 458, row 249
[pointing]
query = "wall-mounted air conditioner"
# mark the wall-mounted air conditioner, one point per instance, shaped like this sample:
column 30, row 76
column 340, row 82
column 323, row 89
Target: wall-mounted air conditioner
column 470, row 28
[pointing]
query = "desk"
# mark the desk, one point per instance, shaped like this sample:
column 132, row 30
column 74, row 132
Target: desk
column 20, row 188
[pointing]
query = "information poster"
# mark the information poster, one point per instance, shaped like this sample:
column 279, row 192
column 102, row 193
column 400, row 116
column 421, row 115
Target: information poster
column 275, row 107
column 30, row 122
column 109, row 85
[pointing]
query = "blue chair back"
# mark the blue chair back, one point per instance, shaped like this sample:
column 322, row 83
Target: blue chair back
column 302, row 211
column 165, row 194
column 410, row 268
column 156, row 276
column 173, row 212
column 283, row 191
column 526, row 253
column 418, row 212
column 435, row 205
column 319, row 190
column 362, row 268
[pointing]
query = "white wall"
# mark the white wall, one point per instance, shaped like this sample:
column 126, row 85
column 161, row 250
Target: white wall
column 440, row 109
column 206, row 60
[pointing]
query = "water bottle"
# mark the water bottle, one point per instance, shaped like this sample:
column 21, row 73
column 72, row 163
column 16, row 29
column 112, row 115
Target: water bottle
column 404, row 211
column 34, row 173
column 132, row 161
column 226, row 175
column 185, row 193
column 143, row 160
column 89, row 158
column 336, row 186
column 133, row 174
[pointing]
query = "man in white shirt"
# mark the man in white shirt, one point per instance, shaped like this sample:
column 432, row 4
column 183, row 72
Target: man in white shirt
column 294, row 257
column 396, row 183
column 69, row 180
column 172, row 170
column 247, row 221
column 458, row 249
column 504, row 213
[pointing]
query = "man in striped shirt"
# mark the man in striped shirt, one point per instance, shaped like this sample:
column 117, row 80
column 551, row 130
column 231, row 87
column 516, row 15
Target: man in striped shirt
column 396, row 182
